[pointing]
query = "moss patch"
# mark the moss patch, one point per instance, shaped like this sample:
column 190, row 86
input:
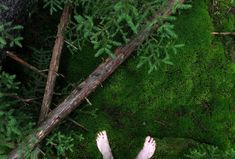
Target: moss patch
column 191, row 99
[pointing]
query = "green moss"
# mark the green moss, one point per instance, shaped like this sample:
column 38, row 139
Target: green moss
column 79, row 65
column 191, row 99
column 223, row 16
column 229, row 23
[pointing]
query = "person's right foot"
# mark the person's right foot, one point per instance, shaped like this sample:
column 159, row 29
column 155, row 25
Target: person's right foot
column 103, row 145
column 148, row 149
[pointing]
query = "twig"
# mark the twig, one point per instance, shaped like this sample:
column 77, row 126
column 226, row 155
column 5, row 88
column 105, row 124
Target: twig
column 20, row 98
column 26, row 64
column 76, row 123
column 102, row 72
column 223, row 33
column 88, row 101
column 54, row 64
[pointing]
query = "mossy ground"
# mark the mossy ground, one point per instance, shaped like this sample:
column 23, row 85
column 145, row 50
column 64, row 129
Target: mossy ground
column 193, row 99
column 181, row 105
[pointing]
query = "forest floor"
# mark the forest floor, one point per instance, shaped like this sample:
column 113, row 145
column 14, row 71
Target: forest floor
column 183, row 106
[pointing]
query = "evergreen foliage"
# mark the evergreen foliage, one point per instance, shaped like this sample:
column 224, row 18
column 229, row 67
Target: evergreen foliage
column 11, row 128
column 112, row 26
column 6, row 32
column 62, row 143
column 10, row 125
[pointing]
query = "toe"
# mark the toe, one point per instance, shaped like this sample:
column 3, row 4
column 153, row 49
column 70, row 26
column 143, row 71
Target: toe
column 105, row 135
column 147, row 139
column 151, row 140
column 97, row 139
column 154, row 142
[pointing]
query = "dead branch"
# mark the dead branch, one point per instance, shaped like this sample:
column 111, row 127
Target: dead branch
column 76, row 123
column 20, row 98
column 54, row 64
column 102, row 72
column 223, row 33
column 24, row 63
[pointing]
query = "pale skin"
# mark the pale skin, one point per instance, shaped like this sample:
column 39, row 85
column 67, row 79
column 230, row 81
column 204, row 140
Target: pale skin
column 103, row 145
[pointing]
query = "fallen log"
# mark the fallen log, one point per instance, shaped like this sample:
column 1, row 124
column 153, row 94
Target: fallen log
column 102, row 72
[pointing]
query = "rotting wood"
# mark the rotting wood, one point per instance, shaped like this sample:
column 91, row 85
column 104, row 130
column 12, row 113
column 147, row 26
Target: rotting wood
column 54, row 64
column 88, row 86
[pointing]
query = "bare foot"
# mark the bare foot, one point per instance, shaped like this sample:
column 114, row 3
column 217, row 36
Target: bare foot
column 148, row 149
column 103, row 145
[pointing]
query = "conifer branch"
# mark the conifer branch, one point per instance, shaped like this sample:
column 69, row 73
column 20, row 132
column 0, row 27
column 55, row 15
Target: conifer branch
column 102, row 72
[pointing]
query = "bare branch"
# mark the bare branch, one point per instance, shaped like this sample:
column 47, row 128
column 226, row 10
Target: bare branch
column 223, row 33
column 54, row 64
column 76, row 123
column 24, row 63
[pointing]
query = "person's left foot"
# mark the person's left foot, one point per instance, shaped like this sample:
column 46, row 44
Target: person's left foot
column 103, row 145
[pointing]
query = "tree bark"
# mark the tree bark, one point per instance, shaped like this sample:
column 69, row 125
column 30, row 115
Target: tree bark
column 54, row 64
column 102, row 72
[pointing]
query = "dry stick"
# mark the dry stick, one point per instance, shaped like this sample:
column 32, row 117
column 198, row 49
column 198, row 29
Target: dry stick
column 78, row 124
column 223, row 33
column 19, row 98
column 54, row 64
column 26, row 64
column 21, row 61
column 102, row 72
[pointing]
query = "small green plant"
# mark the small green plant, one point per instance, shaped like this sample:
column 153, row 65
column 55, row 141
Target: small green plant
column 222, row 14
column 7, row 32
column 53, row 5
column 210, row 152
column 117, row 22
column 9, row 127
column 158, row 48
column 61, row 143
column 107, row 28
